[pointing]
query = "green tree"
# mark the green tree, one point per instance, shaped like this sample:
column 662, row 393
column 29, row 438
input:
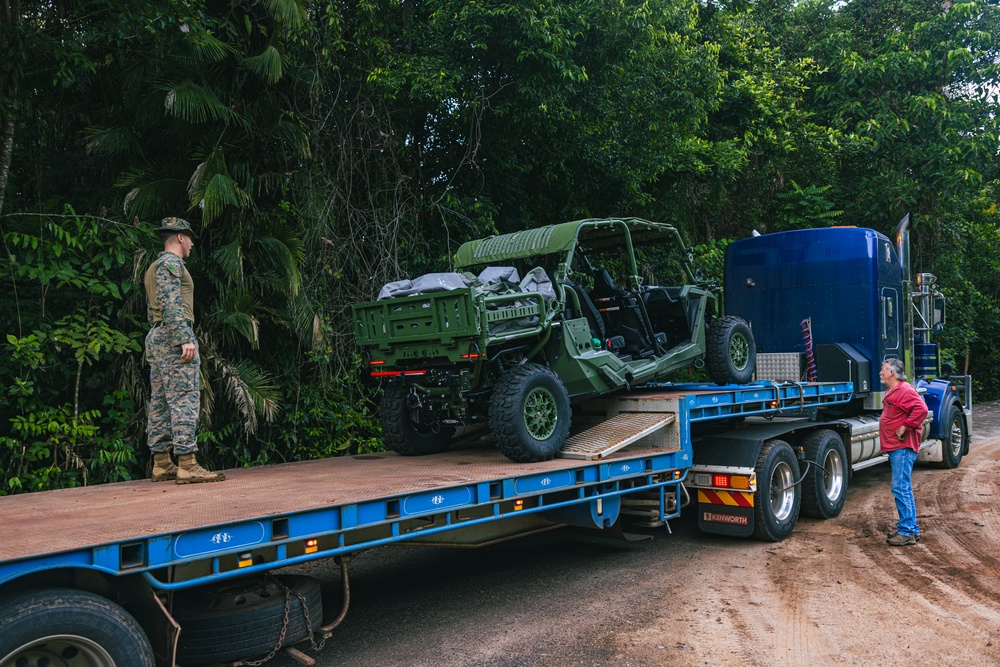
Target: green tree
column 205, row 129
column 70, row 277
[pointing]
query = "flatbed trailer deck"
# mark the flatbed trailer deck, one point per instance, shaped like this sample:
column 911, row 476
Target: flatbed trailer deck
column 141, row 526
column 138, row 543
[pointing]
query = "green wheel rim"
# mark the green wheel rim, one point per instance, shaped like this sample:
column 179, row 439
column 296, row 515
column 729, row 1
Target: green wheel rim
column 541, row 414
column 739, row 351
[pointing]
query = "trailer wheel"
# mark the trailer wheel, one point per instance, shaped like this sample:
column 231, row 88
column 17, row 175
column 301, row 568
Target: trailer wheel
column 529, row 413
column 243, row 618
column 955, row 440
column 824, row 488
column 402, row 435
column 64, row 627
column 732, row 354
column 777, row 499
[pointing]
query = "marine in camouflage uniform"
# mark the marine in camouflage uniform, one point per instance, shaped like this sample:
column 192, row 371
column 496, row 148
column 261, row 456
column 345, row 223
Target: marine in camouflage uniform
column 172, row 353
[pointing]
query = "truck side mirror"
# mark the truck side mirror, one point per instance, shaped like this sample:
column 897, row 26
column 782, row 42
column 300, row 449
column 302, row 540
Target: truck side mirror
column 938, row 321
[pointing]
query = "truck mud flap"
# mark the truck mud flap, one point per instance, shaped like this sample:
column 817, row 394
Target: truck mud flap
column 731, row 515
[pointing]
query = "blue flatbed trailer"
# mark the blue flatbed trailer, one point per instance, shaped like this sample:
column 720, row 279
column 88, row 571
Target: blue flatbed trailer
column 137, row 544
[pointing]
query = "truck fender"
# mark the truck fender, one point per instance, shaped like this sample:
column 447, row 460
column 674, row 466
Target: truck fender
column 940, row 399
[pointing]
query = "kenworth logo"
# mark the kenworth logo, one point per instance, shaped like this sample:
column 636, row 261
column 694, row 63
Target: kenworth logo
column 712, row 517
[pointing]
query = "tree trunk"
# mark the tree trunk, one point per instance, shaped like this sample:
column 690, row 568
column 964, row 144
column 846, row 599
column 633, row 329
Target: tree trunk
column 6, row 154
column 10, row 12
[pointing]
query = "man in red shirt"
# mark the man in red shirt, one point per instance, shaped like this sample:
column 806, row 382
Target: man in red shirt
column 900, row 429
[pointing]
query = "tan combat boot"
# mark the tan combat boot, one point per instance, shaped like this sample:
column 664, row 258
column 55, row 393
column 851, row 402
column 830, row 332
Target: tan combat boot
column 164, row 469
column 189, row 472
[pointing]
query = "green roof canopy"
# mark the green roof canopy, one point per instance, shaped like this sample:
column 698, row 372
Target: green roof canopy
column 552, row 239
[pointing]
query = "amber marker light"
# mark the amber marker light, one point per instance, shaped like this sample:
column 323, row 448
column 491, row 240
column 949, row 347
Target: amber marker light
column 245, row 560
column 312, row 546
column 518, row 505
column 739, row 482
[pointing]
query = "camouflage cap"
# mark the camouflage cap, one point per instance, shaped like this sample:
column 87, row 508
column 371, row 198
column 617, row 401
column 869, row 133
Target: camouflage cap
column 175, row 225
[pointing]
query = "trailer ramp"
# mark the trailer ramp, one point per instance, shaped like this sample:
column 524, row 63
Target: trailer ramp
column 608, row 437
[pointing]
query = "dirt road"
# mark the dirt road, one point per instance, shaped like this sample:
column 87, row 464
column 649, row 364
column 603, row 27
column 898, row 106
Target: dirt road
column 832, row 594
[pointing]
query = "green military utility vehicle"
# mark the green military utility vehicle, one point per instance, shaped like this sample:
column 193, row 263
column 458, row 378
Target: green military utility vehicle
column 553, row 316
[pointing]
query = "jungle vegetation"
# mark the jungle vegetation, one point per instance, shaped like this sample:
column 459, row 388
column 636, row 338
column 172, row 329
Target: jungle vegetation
column 322, row 149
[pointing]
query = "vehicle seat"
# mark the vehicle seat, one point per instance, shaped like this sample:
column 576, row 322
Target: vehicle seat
column 604, row 286
column 624, row 314
column 590, row 311
column 668, row 313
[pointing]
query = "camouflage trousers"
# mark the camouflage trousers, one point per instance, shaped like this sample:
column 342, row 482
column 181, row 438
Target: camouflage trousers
column 174, row 398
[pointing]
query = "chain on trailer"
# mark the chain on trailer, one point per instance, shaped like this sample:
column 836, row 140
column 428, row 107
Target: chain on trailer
column 325, row 631
column 284, row 625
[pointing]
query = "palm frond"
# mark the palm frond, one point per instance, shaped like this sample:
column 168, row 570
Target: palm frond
column 193, row 103
column 207, row 392
column 267, row 64
column 194, row 183
column 147, row 199
column 304, row 320
column 294, row 135
column 210, row 47
column 221, row 191
column 112, row 140
column 288, row 12
column 230, row 259
column 246, row 324
column 140, row 261
column 250, row 389
column 234, row 316
column 281, row 249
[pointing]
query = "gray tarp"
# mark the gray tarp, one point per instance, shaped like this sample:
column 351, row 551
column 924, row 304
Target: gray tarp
column 492, row 280
column 425, row 284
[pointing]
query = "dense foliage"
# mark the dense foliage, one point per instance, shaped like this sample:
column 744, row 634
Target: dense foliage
column 323, row 149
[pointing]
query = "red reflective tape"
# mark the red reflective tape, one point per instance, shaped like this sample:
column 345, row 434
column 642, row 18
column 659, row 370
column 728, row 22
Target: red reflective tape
column 741, row 499
column 728, row 498
column 712, row 497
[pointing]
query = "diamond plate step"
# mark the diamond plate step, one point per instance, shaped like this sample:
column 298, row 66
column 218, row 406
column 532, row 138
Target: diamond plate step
column 610, row 436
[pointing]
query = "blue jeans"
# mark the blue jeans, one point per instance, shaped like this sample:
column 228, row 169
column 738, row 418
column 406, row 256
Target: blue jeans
column 902, row 461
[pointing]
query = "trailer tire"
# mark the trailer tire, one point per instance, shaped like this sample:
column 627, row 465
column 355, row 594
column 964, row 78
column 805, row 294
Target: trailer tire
column 404, row 437
column 824, row 488
column 956, row 440
column 243, row 618
column 64, row 626
column 731, row 355
column 777, row 499
column 529, row 414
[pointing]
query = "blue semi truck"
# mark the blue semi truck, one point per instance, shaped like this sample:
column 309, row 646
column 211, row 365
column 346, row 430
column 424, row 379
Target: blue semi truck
column 826, row 305
column 151, row 574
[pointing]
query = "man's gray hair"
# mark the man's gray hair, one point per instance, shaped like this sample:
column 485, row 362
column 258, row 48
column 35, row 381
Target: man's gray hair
column 897, row 368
